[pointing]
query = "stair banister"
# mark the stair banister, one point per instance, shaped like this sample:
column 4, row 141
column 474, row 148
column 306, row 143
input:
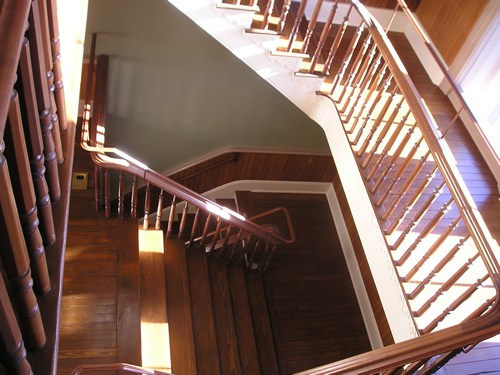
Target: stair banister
column 128, row 164
column 438, row 148
column 453, row 88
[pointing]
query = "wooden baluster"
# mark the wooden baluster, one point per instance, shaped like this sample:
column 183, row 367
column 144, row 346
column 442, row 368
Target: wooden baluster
column 347, row 57
column 205, row 230
column 368, row 115
column 49, row 75
column 399, row 173
column 407, row 185
column 443, row 262
column 171, row 217
column 263, row 259
column 295, row 29
column 133, row 199
column 121, row 196
column 159, row 211
column 216, row 233
column 268, row 12
column 253, row 244
column 387, row 126
column 381, row 115
column 56, row 58
column 416, row 218
column 16, row 262
column 107, row 194
column 423, row 233
column 378, row 163
column 324, row 34
column 360, row 83
column 25, row 197
column 97, row 187
column 35, row 146
column 226, row 238
column 336, row 43
column 311, row 26
column 393, row 159
column 194, row 228
column 147, row 206
column 355, row 68
column 234, row 248
column 367, row 81
column 284, row 14
column 43, row 100
column 182, row 225
column 14, row 358
column 411, row 202
column 446, row 286
column 455, row 304
column 432, row 249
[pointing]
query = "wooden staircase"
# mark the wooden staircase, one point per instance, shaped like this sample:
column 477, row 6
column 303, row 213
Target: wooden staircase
column 218, row 313
column 227, row 319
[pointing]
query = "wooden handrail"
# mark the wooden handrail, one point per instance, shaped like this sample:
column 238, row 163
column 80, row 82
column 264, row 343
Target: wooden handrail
column 448, row 339
column 424, row 118
column 414, row 349
column 122, row 162
column 437, row 57
column 128, row 164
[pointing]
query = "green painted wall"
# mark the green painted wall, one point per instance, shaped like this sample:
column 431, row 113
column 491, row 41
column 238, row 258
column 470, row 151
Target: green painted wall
column 175, row 94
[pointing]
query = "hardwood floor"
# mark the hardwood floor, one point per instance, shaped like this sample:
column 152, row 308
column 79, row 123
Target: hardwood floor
column 100, row 309
column 314, row 309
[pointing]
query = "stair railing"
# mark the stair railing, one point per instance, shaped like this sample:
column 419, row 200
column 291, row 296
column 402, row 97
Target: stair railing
column 415, row 188
column 33, row 131
column 371, row 100
column 454, row 91
column 239, row 230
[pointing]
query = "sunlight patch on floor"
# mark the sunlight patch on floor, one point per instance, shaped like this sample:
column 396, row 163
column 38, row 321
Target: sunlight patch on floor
column 151, row 241
column 155, row 343
column 155, row 346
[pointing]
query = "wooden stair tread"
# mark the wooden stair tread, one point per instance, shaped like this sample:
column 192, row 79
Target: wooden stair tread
column 205, row 340
column 178, row 308
column 262, row 324
column 224, row 322
column 243, row 320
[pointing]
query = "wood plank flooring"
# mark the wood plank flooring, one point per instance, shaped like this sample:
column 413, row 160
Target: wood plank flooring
column 100, row 310
column 314, row 307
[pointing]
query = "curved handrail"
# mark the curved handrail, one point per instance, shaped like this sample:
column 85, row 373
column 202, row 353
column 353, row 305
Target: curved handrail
column 118, row 367
column 291, row 231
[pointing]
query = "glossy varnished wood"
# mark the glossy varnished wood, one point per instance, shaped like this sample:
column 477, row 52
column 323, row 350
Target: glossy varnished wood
column 99, row 320
column 314, row 307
